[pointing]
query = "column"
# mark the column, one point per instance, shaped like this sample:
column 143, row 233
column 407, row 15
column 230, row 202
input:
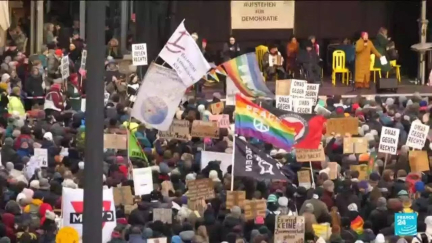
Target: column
column 32, row 39
column 423, row 22
column 40, row 25
column 82, row 19
column 123, row 25
column 93, row 171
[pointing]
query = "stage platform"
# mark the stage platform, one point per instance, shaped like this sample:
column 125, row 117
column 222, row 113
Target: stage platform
column 405, row 88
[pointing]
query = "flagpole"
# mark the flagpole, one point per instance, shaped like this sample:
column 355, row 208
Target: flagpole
column 312, row 175
column 232, row 164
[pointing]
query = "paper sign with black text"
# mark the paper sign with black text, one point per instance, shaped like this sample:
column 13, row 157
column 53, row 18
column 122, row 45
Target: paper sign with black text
column 302, row 105
column 64, row 67
column 298, row 88
column 417, row 135
column 284, row 102
column 41, row 155
column 389, row 140
column 139, row 54
column 312, row 92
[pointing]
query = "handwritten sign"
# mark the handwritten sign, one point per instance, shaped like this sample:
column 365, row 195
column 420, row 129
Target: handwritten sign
column 304, row 178
column 123, row 195
column 139, row 54
column 362, row 170
column 202, row 129
column 417, row 135
column 283, row 87
column 307, row 155
column 221, row 120
column 419, row 161
column 333, row 174
column 41, row 156
column 115, row 141
column 254, row 208
column 284, row 102
column 298, row 88
column 162, row 214
column 179, row 130
column 289, row 229
column 353, row 145
column 235, row 198
column 342, row 126
column 217, row 108
column 389, row 140
column 312, row 91
column 202, row 188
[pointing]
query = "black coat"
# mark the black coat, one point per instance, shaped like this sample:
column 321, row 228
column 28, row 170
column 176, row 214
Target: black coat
column 378, row 218
column 33, row 85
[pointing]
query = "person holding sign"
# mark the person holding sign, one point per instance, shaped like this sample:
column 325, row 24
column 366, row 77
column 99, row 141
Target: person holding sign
column 364, row 48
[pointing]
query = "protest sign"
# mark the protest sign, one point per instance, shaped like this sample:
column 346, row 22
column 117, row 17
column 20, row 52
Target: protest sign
column 162, row 214
column 418, row 161
column 304, row 178
column 115, row 141
column 64, row 67
column 221, row 120
column 123, row 195
column 308, row 155
column 283, row 87
column 143, row 181
column 254, row 208
column 224, row 159
column 217, row 108
column 362, row 170
column 235, row 198
column 333, row 167
column 129, row 208
column 302, row 105
column 342, row 126
column 312, row 92
column 167, row 187
column 83, row 59
column 322, row 230
column 139, row 54
column 202, row 188
column 198, row 205
column 202, row 129
column 289, row 229
column 179, row 130
column 298, row 88
column 389, row 140
column 41, row 156
column 284, row 102
column 352, row 145
column 417, row 135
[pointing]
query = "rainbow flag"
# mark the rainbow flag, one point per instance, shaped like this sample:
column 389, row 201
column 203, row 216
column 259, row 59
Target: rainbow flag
column 371, row 162
column 357, row 225
column 254, row 121
column 220, row 70
column 213, row 75
column 246, row 75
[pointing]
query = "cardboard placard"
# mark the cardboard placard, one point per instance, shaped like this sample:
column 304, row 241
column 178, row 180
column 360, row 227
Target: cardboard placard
column 307, row 155
column 283, row 87
column 289, row 229
column 235, row 198
column 123, row 195
column 419, row 161
column 221, row 120
column 333, row 166
column 202, row 188
column 179, row 130
column 115, row 141
column 162, row 214
column 304, row 178
column 342, row 126
column 217, row 108
column 167, row 187
column 129, row 208
column 362, row 169
column 355, row 145
column 202, row 129
column 254, row 208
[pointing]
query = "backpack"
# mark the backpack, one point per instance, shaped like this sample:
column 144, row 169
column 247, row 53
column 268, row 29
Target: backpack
column 34, row 215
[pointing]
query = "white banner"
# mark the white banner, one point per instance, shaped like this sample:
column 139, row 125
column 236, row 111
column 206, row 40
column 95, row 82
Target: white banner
column 64, row 67
column 158, row 97
column 262, row 14
column 41, row 156
column 417, row 135
column 389, row 140
column 224, row 158
column 143, row 181
column 183, row 54
column 139, row 54
column 73, row 209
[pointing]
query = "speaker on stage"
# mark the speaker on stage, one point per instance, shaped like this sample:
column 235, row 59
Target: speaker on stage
column 386, row 85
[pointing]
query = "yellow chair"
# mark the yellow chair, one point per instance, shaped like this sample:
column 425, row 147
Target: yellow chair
column 373, row 69
column 260, row 51
column 338, row 66
column 394, row 65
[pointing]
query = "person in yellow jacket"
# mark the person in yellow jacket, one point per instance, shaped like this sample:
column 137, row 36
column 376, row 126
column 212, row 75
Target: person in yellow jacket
column 15, row 105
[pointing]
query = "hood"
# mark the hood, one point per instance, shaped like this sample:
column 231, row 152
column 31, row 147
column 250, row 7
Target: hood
column 187, row 235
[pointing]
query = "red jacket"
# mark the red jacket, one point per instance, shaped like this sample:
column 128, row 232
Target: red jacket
column 56, row 97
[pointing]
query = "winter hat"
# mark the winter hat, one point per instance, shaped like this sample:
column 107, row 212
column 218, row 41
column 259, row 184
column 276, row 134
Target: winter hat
column 259, row 220
column 374, row 176
column 48, row 136
column 213, row 175
column 190, row 177
column 363, row 185
column 382, row 202
column 20, row 196
column 353, row 207
column 44, row 184
column 419, row 186
column 309, row 208
column 283, row 201
column 236, row 210
column 402, row 193
column 81, row 165
column 201, row 108
column 328, row 185
column 389, row 101
column 68, row 183
column 164, row 168
column 271, row 198
column 5, row 240
column 5, row 77
column 380, row 238
column 217, row 95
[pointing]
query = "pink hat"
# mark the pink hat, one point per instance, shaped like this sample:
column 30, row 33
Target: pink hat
column 259, row 220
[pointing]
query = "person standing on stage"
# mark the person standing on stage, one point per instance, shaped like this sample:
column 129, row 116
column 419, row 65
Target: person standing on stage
column 364, row 48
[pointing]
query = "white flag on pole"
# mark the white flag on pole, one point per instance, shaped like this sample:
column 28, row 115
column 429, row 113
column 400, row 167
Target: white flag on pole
column 183, row 54
column 158, row 97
